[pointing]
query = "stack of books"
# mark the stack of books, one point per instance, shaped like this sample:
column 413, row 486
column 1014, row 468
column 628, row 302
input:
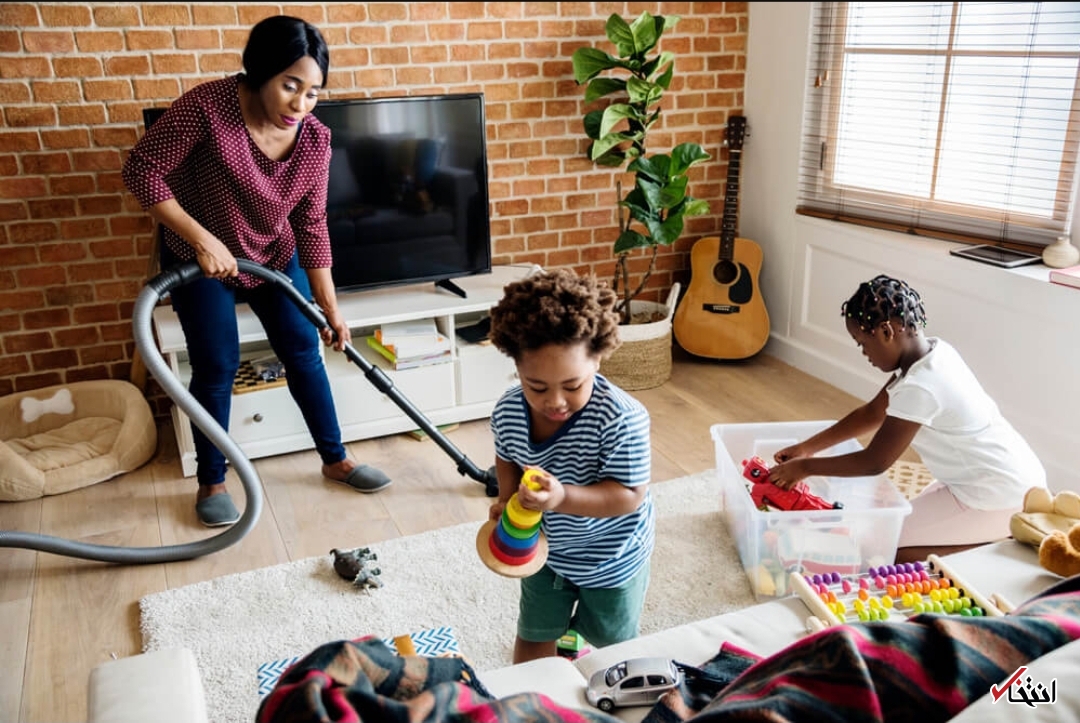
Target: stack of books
column 411, row 344
column 1068, row 276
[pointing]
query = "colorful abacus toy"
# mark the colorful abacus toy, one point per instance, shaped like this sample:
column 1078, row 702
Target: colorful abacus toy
column 513, row 545
column 890, row 593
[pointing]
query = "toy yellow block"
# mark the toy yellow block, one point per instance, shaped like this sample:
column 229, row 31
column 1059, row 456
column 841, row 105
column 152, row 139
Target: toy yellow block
column 765, row 584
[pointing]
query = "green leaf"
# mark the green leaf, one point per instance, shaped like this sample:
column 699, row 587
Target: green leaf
column 638, row 205
column 673, row 193
column 650, row 68
column 665, row 78
column 599, row 87
column 685, row 155
column 629, row 240
column 591, row 123
column 663, row 24
column 655, row 167
column 613, row 158
column 643, row 93
column 606, row 143
column 637, row 91
column 696, row 207
column 651, row 191
column 615, row 114
column 644, row 31
column 668, row 232
column 620, row 34
column 588, row 62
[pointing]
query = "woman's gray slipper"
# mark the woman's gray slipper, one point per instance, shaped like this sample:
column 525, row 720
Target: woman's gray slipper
column 217, row 510
column 365, row 478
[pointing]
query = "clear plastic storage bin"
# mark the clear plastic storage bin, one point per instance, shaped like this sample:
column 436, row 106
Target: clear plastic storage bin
column 772, row 544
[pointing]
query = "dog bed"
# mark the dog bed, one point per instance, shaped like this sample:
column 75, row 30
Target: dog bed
column 65, row 437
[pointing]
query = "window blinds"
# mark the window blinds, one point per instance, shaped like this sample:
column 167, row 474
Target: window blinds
column 954, row 120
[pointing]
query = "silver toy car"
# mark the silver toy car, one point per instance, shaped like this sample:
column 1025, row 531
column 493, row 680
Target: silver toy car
column 638, row 681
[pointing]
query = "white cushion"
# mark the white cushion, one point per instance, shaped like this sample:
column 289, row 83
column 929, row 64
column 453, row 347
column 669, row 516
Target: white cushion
column 557, row 678
column 163, row 686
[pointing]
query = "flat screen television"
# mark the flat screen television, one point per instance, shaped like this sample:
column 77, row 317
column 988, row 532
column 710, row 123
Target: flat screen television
column 407, row 200
column 408, row 196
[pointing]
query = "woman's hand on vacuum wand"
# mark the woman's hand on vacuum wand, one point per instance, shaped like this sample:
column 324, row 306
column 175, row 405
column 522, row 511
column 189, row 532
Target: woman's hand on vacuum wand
column 213, row 256
column 215, row 259
column 338, row 331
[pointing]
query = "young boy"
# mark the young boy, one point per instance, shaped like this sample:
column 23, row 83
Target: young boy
column 590, row 442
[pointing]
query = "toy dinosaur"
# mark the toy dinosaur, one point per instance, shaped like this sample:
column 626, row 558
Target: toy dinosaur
column 768, row 496
column 351, row 565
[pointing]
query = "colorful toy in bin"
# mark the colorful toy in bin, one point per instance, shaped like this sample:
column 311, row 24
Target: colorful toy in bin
column 768, row 496
column 514, row 545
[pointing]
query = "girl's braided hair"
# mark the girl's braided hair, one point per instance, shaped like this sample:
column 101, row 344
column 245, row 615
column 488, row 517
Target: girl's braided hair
column 555, row 307
column 881, row 299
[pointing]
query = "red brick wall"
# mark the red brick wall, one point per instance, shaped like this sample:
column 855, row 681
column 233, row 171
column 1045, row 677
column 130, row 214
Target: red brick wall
column 75, row 77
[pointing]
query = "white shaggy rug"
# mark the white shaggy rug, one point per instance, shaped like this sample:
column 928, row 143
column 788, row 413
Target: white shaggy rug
column 235, row 623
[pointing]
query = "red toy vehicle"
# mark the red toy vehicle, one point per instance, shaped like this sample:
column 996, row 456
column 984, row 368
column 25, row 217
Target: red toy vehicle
column 766, row 495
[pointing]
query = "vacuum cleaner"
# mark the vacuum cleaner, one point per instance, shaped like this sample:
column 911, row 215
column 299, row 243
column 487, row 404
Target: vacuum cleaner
column 148, row 299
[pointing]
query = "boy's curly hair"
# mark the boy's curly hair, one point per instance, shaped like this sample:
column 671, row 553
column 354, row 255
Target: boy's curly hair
column 555, row 307
column 883, row 298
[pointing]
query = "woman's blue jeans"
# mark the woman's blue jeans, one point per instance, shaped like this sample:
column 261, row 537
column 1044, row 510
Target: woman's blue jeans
column 207, row 312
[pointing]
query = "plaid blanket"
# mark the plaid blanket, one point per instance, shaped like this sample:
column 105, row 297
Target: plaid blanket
column 925, row 670
column 364, row 680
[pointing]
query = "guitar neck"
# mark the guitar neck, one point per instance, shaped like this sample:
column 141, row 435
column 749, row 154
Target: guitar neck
column 729, row 225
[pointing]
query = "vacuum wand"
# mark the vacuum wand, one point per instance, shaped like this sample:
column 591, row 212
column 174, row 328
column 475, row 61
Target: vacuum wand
column 375, row 375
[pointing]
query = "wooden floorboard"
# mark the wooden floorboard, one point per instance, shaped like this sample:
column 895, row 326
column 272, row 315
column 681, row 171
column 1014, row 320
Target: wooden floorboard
column 61, row 617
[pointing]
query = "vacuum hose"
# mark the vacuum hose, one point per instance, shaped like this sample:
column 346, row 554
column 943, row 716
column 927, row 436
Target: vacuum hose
column 151, row 295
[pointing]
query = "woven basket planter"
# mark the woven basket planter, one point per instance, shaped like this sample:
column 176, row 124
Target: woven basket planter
column 643, row 360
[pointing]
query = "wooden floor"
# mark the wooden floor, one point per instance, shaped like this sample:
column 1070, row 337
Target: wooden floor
column 61, row 617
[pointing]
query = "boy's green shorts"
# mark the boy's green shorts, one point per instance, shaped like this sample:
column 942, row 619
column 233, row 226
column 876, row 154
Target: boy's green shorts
column 603, row 616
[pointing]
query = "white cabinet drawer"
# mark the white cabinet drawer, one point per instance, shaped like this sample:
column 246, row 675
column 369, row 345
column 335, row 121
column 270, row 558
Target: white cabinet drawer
column 484, row 373
column 265, row 414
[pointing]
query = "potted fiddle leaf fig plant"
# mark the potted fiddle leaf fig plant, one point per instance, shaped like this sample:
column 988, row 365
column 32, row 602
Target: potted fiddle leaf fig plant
column 652, row 214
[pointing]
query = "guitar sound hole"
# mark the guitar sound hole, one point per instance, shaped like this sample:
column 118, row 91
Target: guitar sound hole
column 725, row 272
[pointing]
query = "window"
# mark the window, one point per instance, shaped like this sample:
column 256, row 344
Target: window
column 954, row 120
column 636, row 682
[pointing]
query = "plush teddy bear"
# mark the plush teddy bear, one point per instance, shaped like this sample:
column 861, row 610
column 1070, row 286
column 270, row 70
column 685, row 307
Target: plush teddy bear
column 1059, row 552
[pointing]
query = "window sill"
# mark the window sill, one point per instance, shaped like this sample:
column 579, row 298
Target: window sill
column 925, row 249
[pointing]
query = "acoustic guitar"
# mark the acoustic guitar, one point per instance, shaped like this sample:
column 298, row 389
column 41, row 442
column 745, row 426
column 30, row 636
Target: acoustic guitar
column 722, row 314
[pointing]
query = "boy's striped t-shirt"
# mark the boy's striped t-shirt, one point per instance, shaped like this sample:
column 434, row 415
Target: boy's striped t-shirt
column 607, row 439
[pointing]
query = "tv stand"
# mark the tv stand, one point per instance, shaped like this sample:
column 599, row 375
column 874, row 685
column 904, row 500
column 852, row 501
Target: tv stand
column 264, row 419
column 450, row 286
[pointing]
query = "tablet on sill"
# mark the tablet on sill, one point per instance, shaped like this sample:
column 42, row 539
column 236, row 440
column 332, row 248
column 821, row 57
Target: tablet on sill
column 996, row 255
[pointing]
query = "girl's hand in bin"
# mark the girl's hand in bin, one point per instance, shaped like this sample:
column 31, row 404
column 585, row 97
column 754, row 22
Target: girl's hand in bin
column 786, row 474
column 793, row 452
